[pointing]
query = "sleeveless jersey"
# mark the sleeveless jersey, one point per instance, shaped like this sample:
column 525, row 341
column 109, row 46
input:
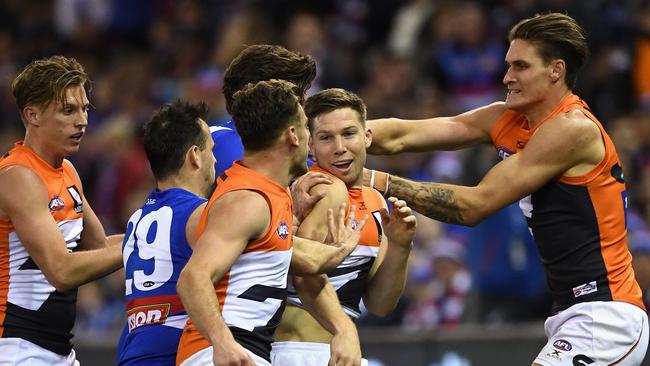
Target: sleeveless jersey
column 252, row 294
column 578, row 223
column 350, row 278
column 155, row 250
column 30, row 307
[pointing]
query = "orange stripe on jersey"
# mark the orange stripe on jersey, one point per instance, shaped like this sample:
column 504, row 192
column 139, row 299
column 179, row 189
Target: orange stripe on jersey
column 277, row 238
column 592, row 217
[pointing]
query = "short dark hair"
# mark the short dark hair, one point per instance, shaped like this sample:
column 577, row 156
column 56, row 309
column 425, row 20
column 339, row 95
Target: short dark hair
column 556, row 36
column 170, row 133
column 265, row 62
column 262, row 111
column 329, row 100
column 46, row 80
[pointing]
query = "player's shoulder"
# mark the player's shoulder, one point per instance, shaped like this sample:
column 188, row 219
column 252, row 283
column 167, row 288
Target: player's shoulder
column 18, row 176
column 27, row 189
column 574, row 125
column 337, row 191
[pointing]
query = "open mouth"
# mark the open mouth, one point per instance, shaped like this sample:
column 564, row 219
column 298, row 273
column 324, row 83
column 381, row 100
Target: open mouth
column 77, row 136
column 513, row 91
column 342, row 165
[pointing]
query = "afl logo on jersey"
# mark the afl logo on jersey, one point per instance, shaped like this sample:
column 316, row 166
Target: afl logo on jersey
column 56, row 204
column 283, row 230
column 355, row 224
column 504, row 152
column 562, row 345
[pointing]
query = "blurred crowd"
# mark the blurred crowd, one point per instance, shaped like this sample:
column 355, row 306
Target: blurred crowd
column 408, row 59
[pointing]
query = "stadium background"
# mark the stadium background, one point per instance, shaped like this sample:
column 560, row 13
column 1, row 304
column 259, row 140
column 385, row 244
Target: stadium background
column 474, row 296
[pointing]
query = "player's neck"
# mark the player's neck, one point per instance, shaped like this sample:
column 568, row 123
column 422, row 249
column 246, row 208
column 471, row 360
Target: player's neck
column 186, row 178
column 40, row 147
column 271, row 163
column 540, row 111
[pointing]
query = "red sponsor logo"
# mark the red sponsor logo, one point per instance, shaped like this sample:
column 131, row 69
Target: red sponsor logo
column 147, row 315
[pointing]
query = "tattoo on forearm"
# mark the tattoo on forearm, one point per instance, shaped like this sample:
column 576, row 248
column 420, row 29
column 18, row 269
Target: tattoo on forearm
column 429, row 199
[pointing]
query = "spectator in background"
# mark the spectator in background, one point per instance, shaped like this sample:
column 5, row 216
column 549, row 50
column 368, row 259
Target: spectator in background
column 439, row 284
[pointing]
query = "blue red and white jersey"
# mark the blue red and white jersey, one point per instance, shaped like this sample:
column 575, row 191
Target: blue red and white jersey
column 155, row 250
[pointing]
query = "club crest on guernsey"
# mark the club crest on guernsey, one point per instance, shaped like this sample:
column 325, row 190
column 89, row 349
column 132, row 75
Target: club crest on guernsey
column 56, row 203
column 283, row 230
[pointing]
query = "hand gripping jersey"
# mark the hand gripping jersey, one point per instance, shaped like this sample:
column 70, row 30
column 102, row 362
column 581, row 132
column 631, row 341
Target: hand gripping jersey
column 252, row 294
column 155, row 250
column 351, row 276
column 578, row 223
column 30, row 307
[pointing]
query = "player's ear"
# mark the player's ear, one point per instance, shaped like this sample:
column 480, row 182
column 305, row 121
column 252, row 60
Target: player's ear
column 558, row 69
column 292, row 136
column 32, row 116
column 193, row 157
column 368, row 137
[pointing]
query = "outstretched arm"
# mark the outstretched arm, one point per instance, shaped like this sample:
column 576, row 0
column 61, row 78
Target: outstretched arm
column 393, row 136
column 564, row 146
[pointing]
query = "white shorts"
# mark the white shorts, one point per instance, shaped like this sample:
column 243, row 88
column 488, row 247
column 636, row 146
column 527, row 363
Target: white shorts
column 204, row 358
column 596, row 333
column 17, row 351
column 302, row 354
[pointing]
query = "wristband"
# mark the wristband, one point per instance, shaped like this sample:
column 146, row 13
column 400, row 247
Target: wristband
column 380, row 181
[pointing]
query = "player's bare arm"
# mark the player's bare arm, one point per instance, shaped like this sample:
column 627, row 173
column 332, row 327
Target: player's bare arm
column 304, row 197
column 393, row 136
column 312, row 257
column 192, row 225
column 388, row 275
column 566, row 145
column 213, row 254
column 26, row 205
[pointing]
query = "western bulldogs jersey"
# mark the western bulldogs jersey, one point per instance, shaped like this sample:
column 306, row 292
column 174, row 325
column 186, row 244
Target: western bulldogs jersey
column 30, row 307
column 351, row 276
column 578, row 223
column 252, row 294
column 155, row 250
column 227, row 146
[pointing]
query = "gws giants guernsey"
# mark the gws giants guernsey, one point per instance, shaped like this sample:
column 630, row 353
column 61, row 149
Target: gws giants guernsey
column 30, row 307
column 252, row 294
column 578, row 223
column 350, row 278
